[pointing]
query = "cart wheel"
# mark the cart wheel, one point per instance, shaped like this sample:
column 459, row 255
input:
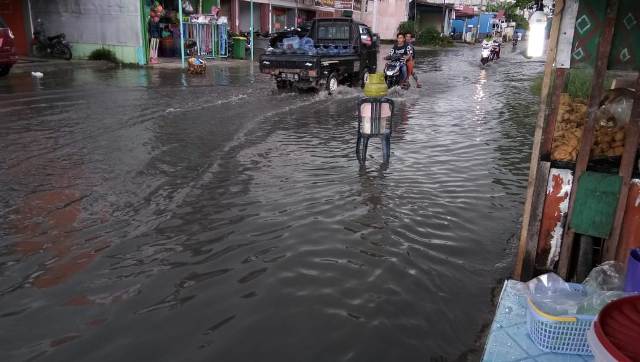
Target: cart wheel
column 332, row 83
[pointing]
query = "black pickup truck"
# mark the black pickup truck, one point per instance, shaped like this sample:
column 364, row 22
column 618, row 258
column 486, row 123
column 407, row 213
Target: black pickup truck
column 341, row 51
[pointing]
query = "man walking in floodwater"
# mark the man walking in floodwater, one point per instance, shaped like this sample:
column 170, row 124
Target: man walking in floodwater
column 411, row 41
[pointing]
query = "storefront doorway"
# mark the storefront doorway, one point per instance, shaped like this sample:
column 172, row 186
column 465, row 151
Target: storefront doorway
column 305, row 15
column 203, row 36
column 245, row 16
column 283, row 18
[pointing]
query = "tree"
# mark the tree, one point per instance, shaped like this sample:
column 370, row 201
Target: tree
column 512, row 11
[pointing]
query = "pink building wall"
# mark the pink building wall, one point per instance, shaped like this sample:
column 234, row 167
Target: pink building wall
column 390, row 14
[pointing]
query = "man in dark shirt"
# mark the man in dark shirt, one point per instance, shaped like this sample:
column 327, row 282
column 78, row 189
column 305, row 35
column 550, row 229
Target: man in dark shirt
column 405, row 50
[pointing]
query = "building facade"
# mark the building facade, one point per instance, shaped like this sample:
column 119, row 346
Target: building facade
column 88, row 25
column 120, row 25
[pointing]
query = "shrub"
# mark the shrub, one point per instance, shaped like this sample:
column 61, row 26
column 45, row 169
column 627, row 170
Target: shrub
column 407, row 27
column 103, row 54
column 578, row 83
column 432, row 37
column 536, row 85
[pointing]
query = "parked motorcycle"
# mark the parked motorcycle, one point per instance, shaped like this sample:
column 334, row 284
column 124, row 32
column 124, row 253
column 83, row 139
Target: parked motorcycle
column 392, row 73
column 56, row 46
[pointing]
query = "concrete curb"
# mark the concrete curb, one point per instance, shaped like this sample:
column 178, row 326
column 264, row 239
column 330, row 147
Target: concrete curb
column 28, row 65
column 55, row 65
column 229, row 63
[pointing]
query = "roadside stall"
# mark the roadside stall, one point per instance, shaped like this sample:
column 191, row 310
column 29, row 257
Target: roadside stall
column 581, row 220
column 187, row 28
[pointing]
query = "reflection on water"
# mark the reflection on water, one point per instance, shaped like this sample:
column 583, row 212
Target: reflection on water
column 151, row 215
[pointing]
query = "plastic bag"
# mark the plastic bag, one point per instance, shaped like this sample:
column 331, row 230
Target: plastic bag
column 307, row 43
column 621, row 109
column 187, row 7
column 553, row 295
column 593, row 303
column 608, row 276
column 291, row 43
column 615, row 110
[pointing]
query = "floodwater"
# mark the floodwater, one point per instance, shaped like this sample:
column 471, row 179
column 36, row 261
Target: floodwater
column 149, row 215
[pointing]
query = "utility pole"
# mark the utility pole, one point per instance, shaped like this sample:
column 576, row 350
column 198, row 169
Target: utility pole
column 444, row 6
column 251, row 33
column 181, row 33
column 375, row 16
column 415, row 17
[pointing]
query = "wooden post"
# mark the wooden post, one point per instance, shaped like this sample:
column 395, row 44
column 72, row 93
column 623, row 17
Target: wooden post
column 533, row 188
column 537, row 208
column 547, row 138
column 626, row 171
column 599, row 73
column 630, row 232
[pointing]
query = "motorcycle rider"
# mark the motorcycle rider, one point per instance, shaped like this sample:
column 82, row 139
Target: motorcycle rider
column 402, row 49
column 497, row 45
column 411, row 62
column 487, row 42
column 40, row 34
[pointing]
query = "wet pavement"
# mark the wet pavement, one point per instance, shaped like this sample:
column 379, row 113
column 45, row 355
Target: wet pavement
column 152, row 215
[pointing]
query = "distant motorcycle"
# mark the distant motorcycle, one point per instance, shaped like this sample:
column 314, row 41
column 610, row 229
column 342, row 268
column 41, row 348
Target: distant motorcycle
column 515, row 41
column 56, row 46
column 485, row 54
column 490, row 52
column 392, row 73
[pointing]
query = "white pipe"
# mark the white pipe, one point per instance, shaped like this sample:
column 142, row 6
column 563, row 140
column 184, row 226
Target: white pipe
column 270, row 18
column 251, row 33
column 30, row 15
column 181, row 34
column 374, row 26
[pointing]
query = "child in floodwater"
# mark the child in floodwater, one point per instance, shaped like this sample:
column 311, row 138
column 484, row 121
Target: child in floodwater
column 411, row 62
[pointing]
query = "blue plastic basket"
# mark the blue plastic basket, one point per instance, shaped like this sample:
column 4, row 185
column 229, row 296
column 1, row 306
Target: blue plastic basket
column 560, row 334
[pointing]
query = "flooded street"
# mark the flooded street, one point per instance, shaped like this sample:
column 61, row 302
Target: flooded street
column 151, row 215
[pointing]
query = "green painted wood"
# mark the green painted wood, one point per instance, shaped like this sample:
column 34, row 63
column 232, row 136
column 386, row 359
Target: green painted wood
column 207, row 4
column 625, row 49
column 595, row 204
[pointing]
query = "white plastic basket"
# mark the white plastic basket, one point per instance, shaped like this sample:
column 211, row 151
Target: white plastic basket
column 560, row 334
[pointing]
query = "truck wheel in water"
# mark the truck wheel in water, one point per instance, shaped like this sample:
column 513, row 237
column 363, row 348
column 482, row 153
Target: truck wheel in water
column 332, row 83
column 4, row 70
column 282, row 84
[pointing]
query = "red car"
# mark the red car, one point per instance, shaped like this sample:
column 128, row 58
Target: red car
column 7, row 49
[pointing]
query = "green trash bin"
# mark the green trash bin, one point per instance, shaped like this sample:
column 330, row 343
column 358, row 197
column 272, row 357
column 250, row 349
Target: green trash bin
column 239, row 47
